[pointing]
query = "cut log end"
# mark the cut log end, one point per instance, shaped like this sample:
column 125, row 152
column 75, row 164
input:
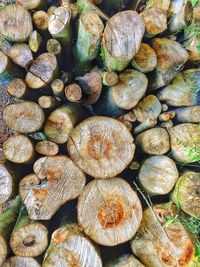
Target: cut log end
column 3, row 250
column 6, row 184
column 92, row 24
column 21, row 54
column 47, row 102
column 54, row 47
column 47, row 148
column 4, row 61
column 40, row 19
column 57, row 87
column 35, row 41
column 73, row 92
column 109, row 78
column 17, row 261
column 17, row 88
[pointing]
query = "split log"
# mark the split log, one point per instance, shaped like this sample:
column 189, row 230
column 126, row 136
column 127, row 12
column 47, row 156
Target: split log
column 154, row 141
column 90, row 28
column 171, row 56
column 185, row 141
column 17, row 88
column 159, row 243
column 7, row 222
column 61, row 121
column 158, row 175
column 186, row 193
column 102, row 147
column 42, row 71
column 121, row 39
column 35, row 41
column 21, row 55
column 124, row 261
column 29, row 238
column 47, row 148
column 145, row 125
column 149, row 107
column 19, row 149
column 183, row 90
column 47, row 101
column 73, row 92
column 72, row 247
column 56, row 180
column 32, row 4
column 15, row 23
column 57, row 87
column 166, row 116
column 145, row 60
column 25, row 117
column 188, row 114
column 17, row 261
column 155, row 20
column 106, row 209
column 54, row 47
column 123, row 96
column 41, row 19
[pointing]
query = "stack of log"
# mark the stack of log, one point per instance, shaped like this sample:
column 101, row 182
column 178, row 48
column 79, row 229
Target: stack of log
column 100, row 132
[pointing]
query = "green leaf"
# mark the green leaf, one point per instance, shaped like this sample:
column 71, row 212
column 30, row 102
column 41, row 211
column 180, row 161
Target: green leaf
column 194, row 2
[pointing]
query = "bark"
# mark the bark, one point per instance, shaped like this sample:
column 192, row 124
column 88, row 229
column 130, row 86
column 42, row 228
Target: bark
column 25, row 117
column 7, row 222
column 17, row 261
column 147, row 124
column 73, row 248
column 35, row 41
column 154, row 141
column 186, row 193
column 61, row 121
column 124, row 261
column 106, row 209
column 32, row 4
column 188, row 114
column 158, row 175
column 17, row 88
column 21, row 55
column 90, row 28
column 19, row 149
column 29, row 238
column 121, row 39
column 102, row 147
column 161, row 244
column 57, row 87
column 149, row 107
column 15, row 23
column 47, row 148
column 166, row 116
column 56, row 180
column 42, row 71
column 185, row 140
column 123, row 96
column 171, row 56
column 41, row 19
column 73, row 92
column 54, row 47
column 183, row 90
column 47, row 102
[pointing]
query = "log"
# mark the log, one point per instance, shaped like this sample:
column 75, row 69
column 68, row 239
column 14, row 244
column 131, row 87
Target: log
column 72, row 6
column 56, row 180
column 124, row 95
column 121, row 39
column 154, row 141
column 72, row 247
column 25, row 117
column 185, row 140
column 102, row 147
column 90, row 28
column 21, row 55
column 7, row 222
column 15, row 23
column 171, row 56
column 188, row 114
column 54, row 47
column 17, row 261
column 47, row 148
column 19, row 149
column 159, row 243
column 158, row 175
column 44, row 70
column 183, row 90
column 57, row 87
column 35, row 41
column 192, row 48
column 155, row 20
column 147, row 108
column 106, row 209
column 145, row 60
column 17, row 88
column 51, row 10
column 32, row 4
column 61, row 121
column 6, row 69
column 164, row 107
column 41, row 19
column 29, row 238
column 127, row 260
column 109, row 78
column 73, row 92
column 186, row 193
column 167, row 124
column 145, row 125
column 162, row 4
column 47, row 101
column 166, row 116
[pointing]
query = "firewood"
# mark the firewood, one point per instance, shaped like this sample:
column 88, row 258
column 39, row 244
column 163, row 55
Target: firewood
column 72, row 247
column 121, row 39
column 51, row 10
column 188, row 114
column 162, row 4
column 32, row 4
column 167, row 124
column 57, row 87
column 29, row 238
column 98, row 142
column 158, row 175
column 17, row 88
column 56, row 180
column 35, row 41
column 15, row 23
column 109, row 78
column 154, row 141
column 116, row 207
column 41, row 19
column 17, row 261
column 25, row 117
column 126, row 260
column 166, row 116
column 7, row 222
column 164, row 107
column 73, row 92
column 185, row 140
column 19, row 149
column 54, row 47
column 145, row 60
column 47, row 148
column 6, row 69
column 61, row 122
column 145, row 125
column 47, row 102
column 21, row 55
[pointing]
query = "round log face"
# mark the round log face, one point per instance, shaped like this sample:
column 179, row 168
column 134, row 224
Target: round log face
column 29, row 4
column 6, row 184
column 47, row 148
column 3, row 250
column 3, row 62
column 15, row 23
column 107, row 209
column 158, row 175
column 17, row 261
column 102, row 147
